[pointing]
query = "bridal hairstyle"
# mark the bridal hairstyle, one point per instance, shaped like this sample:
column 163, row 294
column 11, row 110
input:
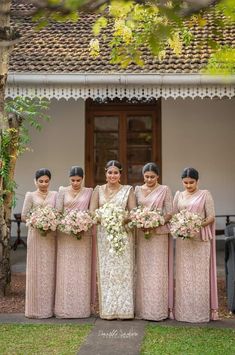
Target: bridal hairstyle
column 42, row 172
column 150, row 167
column 113, row 163
column 76, row 171
column 191, row 173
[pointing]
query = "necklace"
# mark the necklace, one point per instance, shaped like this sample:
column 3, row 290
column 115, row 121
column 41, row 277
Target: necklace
column 74, row 192
column 43, row 194
column 112, row 191
column 150, row 189
column 187, row 193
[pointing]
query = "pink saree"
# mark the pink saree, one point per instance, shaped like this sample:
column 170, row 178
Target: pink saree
column 73, row 279
column 154, row 286
column 196, row 204
column 208, row 233
column 41, row 262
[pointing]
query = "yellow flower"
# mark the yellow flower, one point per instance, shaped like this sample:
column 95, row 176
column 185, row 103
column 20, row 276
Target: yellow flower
column 94, row 47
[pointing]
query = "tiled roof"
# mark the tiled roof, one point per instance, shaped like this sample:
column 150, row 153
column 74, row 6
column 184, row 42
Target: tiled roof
column 64, row 48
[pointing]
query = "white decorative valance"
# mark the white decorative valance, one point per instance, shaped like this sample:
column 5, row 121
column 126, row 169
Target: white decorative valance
column 128, row 86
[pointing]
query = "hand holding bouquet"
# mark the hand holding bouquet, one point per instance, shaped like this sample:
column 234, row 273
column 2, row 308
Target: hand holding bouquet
column 75, row 222
column 45, row 219
column 146, row 219
column 112, row 219
column 185, row 224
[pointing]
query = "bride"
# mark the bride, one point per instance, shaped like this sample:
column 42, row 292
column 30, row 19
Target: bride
column 115, row 272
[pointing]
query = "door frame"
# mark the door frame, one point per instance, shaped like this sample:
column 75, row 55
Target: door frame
column 120, row 107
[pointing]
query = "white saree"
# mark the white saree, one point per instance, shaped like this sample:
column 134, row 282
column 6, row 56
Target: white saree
column 115, row 272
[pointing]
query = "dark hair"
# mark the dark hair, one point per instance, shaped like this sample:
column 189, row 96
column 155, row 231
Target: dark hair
column 150, row 167
column 42, row 172
column 76, row 171
column 190, row 172
column 113, row 163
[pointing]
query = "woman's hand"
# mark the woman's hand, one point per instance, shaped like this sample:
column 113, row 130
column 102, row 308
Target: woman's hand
column 126, row 220
column 208, row 220
column 167, row 218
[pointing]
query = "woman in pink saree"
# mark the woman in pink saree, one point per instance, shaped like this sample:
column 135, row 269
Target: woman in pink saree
column 154, row 287
column 196, row 298
column 41, row 253
column 73, row 276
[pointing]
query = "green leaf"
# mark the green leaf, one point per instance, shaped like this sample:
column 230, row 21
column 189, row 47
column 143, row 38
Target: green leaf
column 99, row 25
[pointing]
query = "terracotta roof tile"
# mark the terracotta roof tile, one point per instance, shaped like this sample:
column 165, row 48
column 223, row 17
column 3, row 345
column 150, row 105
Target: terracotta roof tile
column 64, row 47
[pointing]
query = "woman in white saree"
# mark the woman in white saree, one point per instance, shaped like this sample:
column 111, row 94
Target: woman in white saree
column 115, row 271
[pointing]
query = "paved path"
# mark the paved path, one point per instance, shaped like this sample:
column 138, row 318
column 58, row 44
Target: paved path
column 19, row 318
column 114, row 338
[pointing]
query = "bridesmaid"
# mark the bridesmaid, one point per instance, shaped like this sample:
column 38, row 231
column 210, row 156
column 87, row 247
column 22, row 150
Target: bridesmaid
column 73, row 275
column 115, row 272
column 153, row 299
column 40, row 266
column 196, row 297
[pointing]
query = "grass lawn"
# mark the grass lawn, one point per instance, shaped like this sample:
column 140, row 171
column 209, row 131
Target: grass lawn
column 187, row 340
column 30, row 339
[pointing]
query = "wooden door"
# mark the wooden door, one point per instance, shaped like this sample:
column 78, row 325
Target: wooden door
column 130, row 133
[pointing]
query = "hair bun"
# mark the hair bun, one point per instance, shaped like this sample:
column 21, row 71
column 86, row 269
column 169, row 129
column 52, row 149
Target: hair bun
column 191, row 173
column 76, row 171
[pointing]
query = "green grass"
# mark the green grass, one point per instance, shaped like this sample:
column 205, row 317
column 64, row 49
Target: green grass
column 187, row 340
column 28, row 339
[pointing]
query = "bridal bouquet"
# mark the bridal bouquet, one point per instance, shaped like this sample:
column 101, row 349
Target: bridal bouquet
column 185, row 224
column 112, row 217
column 146, row 219
column 75, row 222
column 45, row 219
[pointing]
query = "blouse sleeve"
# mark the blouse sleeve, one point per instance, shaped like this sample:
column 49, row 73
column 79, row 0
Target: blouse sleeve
column 94, row 203
column 209, row 205
column 89, row 195
column 60, row 200
column 131, row 202
column 168, row 202
column 27, row 206
column 175, row 203
column 136, row 192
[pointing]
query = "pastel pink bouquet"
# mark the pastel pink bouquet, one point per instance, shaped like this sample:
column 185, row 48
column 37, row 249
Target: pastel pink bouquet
column 45, row 219
column 185, row 224
column 146, row 218
column 75, row 222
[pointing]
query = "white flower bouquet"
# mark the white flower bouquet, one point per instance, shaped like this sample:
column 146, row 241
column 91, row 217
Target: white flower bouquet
column 45, row 219
column 185, row 224
column 146, row 218
column 112, row 219
column 75, row 222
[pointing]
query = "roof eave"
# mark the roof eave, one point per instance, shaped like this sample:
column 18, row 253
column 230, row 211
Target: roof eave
column 17, row 78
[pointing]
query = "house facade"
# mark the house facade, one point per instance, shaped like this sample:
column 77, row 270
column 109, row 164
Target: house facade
column 167, row 112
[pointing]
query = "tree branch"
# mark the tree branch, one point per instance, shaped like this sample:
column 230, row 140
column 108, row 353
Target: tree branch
column 196, row 6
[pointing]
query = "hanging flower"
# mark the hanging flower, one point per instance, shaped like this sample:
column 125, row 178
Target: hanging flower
column 112, row 218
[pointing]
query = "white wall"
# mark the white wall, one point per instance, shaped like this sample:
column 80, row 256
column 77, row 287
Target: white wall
column 201, row 134
column 58, row 146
